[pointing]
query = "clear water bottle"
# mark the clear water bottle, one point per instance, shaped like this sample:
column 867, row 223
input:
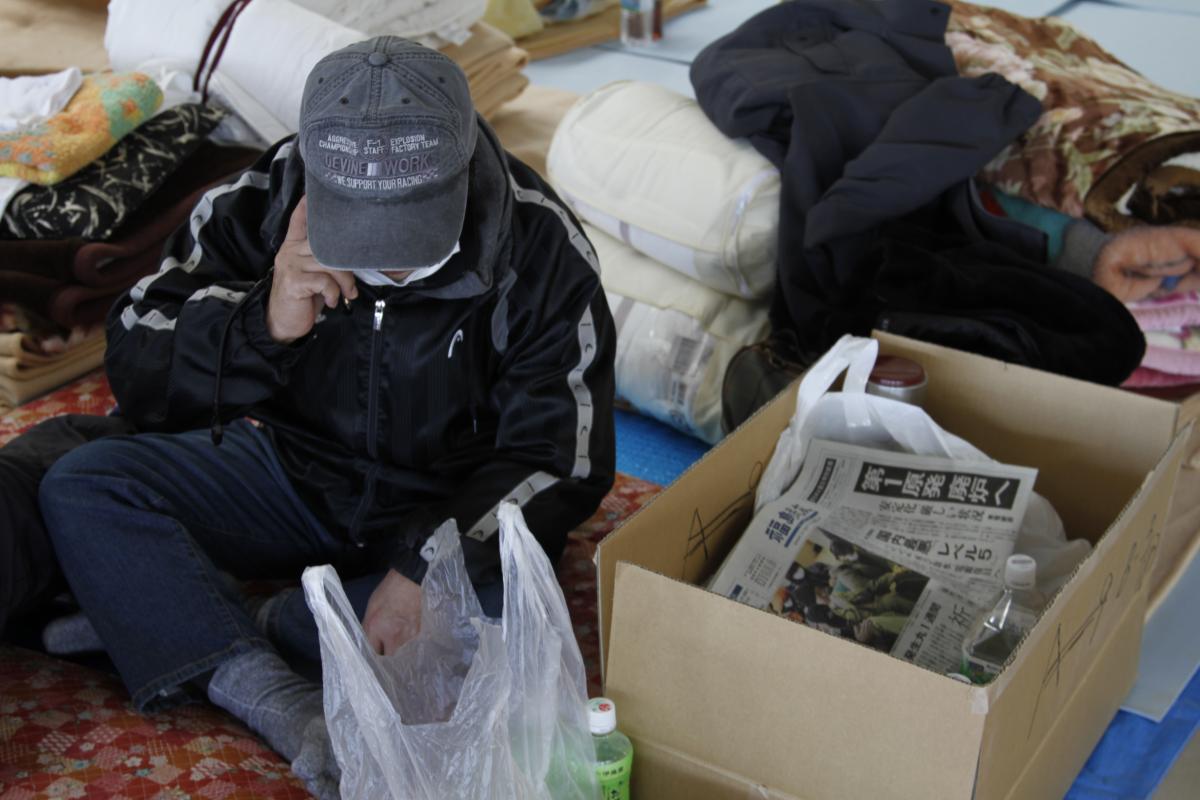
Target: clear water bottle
column 614, row 751
column 641, row 22
column 993, row 637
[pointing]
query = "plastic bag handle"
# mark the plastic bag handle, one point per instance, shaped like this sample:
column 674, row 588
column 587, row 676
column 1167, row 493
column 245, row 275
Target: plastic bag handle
column 521, row 555
column 853, row 355
column 327, row 599
column 324, row 594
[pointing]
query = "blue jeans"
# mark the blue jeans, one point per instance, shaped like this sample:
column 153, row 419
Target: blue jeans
column 148, row 526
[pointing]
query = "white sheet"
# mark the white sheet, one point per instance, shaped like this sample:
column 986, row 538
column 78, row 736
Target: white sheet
column 272, row 48
column 28, row 100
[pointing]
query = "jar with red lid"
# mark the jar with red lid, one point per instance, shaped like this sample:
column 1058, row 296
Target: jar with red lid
column 898, row 378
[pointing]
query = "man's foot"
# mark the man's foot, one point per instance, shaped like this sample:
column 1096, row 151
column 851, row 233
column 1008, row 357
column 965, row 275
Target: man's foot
column 316, row 765
column 70, row 635
column 261, row 690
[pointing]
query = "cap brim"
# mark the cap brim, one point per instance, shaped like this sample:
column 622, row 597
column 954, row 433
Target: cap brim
column 348, row 233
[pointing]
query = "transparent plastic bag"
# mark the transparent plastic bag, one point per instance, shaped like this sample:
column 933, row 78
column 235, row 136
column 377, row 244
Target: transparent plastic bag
column 855, row 417
column 472, row 708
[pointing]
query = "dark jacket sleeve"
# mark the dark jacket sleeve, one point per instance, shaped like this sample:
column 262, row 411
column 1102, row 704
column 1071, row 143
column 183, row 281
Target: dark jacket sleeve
column 1071, row 244
column 165, row 334
column 555, row 449
column 1082, row 243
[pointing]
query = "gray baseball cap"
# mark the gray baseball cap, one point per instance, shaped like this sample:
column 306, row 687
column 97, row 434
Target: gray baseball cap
column 387, row 130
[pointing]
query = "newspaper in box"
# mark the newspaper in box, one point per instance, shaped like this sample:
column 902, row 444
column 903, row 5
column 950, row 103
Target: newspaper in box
column 897, row 551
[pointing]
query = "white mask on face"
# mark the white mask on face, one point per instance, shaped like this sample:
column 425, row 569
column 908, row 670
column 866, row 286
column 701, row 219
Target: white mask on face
column 375, row 277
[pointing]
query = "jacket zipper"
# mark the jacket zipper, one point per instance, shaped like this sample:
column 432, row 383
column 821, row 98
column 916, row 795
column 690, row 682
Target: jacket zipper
column 372, row 424
column 372, row 397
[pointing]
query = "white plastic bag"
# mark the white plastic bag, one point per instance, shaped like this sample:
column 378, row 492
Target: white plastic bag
column 855, row 417
column 472, row 708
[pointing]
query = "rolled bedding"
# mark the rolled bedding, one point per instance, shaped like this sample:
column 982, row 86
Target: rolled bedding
column 675, row 337
column 644, row 164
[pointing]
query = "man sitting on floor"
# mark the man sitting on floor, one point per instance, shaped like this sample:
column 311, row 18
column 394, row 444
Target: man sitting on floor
column 418, row 328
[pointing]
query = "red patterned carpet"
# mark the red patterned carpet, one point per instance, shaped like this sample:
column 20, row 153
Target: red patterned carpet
column 88, row 395
column 69, row 732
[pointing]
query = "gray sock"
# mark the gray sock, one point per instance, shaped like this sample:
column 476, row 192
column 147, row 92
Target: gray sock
column 316, row 765
column 71, row 634
column 262, row 691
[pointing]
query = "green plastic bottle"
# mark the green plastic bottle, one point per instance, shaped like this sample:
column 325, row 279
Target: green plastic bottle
column 614, row 751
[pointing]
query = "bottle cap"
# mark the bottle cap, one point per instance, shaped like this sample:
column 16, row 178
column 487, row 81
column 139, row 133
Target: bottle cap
column 602, row 716
column 1020, row 572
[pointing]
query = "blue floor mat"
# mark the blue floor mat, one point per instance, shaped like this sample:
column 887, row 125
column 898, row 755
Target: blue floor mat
column 1136, row 754
column 650, row 450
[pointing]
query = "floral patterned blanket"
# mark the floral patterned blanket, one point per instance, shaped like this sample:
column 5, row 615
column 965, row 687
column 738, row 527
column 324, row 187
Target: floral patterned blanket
column 1104, row 130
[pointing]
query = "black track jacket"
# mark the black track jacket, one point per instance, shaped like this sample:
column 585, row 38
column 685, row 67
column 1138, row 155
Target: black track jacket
column 489, row 381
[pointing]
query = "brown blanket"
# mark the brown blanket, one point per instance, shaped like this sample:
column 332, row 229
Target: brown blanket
column 554, row 40
column 73, row 281
column 492, row 64
column 24, row 376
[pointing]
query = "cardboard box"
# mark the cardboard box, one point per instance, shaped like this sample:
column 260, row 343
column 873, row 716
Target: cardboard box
column 1181, row 538
column 727, row 701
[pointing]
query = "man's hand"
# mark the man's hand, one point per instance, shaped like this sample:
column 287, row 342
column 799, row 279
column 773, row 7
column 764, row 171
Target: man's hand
column 393, row 613
column 301, row 286
column 1132, row 266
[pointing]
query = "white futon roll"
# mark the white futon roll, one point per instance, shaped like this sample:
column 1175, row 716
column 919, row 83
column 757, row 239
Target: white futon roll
column 646, row 165
column 675, row 337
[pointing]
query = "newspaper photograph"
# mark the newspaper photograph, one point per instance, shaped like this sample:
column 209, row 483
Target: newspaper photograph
column 898, row 552
column 821, row 580
column 952, row 520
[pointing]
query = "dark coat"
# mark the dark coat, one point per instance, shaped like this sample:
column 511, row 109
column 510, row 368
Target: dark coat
column 859, row 104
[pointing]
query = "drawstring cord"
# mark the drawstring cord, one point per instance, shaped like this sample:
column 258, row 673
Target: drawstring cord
column 222, row 31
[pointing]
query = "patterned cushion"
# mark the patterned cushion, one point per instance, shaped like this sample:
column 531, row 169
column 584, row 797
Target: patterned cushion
column 106, row 107
column 70, row 732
